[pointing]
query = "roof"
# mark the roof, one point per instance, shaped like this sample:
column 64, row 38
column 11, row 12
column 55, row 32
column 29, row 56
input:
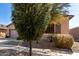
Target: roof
column 3, row 26
column 9, row 24
column 70, row 16
column 63, row 17
column 74, row 28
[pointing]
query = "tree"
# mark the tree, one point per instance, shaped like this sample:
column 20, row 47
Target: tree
column 31, row 20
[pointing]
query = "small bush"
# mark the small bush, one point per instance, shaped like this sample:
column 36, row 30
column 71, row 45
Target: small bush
column 63, row 40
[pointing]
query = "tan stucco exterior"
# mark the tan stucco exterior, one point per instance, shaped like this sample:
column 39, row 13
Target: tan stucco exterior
column 65, row 26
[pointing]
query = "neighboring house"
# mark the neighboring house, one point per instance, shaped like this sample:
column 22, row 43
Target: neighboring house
column 75, row 33
column 3, row 31
column 62, row 28
column 12, row 33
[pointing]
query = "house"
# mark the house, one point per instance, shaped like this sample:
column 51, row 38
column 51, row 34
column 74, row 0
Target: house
column 75, row 33
column 12, row 33
column 62, row 28
column 3, row 31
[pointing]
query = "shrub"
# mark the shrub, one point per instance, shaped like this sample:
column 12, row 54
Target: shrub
column 63, row 40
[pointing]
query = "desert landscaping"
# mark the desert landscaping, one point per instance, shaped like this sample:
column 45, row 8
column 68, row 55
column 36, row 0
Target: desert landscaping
column 13, row 47
column 39, row 29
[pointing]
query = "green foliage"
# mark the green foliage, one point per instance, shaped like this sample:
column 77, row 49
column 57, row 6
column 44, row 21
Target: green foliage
column 63, row 40
column 60, row 8
column 31, row 19
column 58, row 12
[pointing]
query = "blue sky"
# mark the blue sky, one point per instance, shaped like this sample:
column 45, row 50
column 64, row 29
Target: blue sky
column 5, row 14
column 74, row 10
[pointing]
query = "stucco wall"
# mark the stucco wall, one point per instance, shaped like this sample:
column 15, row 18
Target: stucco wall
column 62, row 28
column 65, row 27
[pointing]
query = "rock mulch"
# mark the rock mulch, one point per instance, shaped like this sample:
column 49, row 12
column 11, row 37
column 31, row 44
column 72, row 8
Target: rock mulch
column 43, row 48
column 10, row 52
column 24, row 51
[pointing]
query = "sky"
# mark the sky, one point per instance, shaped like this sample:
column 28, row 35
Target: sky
column 74, row 10
column 5, row 14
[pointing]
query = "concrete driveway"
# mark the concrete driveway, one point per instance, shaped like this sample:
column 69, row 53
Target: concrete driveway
column 9, row 42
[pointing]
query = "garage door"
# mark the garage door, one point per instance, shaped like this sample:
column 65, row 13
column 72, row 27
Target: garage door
column 14, row 34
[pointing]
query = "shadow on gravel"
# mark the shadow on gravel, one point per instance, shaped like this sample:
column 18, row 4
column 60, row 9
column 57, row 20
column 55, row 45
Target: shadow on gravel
column 51, row 46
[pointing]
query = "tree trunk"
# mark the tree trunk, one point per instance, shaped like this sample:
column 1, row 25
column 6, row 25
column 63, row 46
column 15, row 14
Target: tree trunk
column 30, row 46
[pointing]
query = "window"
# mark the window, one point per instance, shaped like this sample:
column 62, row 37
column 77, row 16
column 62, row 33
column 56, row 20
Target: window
column 54, row 28
column 58, row 28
